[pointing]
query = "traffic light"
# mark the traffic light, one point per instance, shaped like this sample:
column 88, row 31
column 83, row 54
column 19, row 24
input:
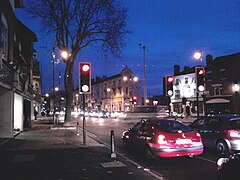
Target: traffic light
column 134, row 99
column 200, row 78
column 85, row 77
column 169, row 85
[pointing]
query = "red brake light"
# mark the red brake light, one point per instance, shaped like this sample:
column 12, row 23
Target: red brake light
column 161, row 139
column 233, row 134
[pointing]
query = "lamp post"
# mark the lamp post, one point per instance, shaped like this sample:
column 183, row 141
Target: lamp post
column 53, row 85
column 144, row 69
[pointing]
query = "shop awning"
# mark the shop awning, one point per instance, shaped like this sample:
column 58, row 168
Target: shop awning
column 217, row 101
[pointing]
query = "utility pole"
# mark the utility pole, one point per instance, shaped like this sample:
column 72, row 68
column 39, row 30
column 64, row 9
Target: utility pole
column 53, row 85
column 144, row 69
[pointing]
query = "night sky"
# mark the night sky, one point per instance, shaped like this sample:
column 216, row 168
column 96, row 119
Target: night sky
column 172, row 30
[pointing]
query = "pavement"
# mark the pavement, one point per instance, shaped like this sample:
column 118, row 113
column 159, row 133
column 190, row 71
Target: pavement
column 57, row 153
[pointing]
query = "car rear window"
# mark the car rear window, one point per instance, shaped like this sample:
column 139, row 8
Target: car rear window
column 235, row 124
column 172, row 126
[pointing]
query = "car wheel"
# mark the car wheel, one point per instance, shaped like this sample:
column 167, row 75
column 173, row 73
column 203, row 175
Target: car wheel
column 148, row 154
column 222, row 148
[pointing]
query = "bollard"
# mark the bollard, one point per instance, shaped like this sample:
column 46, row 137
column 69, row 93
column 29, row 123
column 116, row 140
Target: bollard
column 113, row 154
column 77, row 129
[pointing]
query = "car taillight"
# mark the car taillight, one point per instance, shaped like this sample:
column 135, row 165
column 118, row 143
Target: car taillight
column 161, row 139
column 233, row 134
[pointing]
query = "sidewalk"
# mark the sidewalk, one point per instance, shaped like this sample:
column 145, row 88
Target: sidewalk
column 58, row 153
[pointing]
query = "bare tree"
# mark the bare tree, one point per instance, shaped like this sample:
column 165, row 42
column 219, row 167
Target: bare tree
column 78, row 23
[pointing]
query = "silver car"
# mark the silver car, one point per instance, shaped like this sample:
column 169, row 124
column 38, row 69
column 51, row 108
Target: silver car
column 221, row 132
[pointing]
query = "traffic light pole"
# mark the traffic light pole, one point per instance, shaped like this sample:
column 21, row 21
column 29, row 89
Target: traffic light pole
column 84, row 120
column 197, row 104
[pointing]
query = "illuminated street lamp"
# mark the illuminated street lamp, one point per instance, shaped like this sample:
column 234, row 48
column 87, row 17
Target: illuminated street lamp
column 56, row 89
column 125, row 78
column 65, row 55
column 135, row 79
column 198, row 55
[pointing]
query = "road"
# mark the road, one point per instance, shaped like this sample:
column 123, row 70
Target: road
column 199, row 167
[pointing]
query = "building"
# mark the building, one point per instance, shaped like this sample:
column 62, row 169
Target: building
column 113, row 93
column 37, row 84
column 184, row 99
column 221, row 94
column 222, row 84
column 16, row 79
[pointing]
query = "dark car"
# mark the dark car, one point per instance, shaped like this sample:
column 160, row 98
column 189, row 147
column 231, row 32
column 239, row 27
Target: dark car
column 220, row 132
column 163, row 138
column 228, row 168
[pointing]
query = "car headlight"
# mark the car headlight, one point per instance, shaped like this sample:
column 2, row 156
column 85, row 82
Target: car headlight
column 221, row 161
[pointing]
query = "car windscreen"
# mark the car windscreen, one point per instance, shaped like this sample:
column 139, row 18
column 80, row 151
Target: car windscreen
column 172, row 126
column 235, row 123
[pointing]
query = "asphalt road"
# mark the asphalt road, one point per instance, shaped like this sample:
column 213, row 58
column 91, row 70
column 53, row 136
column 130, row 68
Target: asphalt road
column 181, row 168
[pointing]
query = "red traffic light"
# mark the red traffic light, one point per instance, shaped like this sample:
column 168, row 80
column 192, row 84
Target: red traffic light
column 201, row 72
column 170, row 79
column 200, row 78
column 85, row 67
column 169, row 85
column 134, row 97
column 85, row 77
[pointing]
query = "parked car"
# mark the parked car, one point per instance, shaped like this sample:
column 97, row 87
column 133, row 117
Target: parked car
column 116, row 114
column 164, row 138
column 220, row 132
column 228, row 167
column 177, row 115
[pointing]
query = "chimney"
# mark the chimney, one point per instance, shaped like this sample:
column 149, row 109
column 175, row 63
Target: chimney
column 186, row 68
column 209, row 59
column 176, row 69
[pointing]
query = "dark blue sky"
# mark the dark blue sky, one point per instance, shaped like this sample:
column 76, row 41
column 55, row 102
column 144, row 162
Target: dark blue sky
column 172, row 30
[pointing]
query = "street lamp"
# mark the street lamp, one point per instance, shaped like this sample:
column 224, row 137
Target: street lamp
column 54, row 89
column 198, row 55
column 65, row 54
column 53, row 85
column 145, row 81
column 135, row 79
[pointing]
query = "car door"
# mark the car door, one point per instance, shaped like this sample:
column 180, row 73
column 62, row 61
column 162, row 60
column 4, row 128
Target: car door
column 145, row 134
column 199, row 126
column 212, row 131
column 134, row 135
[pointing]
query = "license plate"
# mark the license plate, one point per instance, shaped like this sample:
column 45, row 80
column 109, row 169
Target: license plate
column 183, row 141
